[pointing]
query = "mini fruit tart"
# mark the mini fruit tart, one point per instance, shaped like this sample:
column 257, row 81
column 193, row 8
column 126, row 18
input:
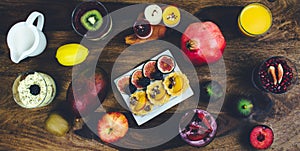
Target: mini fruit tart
column 176, row 83
column 139, row 103
column 157, row 94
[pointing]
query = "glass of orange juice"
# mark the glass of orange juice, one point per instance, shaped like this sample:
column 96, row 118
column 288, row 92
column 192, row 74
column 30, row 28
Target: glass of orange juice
column 255, row 19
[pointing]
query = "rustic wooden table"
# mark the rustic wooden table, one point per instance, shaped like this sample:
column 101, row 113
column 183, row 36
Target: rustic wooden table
column 23, row 129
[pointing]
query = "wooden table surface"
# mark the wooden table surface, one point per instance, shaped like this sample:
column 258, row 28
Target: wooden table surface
column 23, row 129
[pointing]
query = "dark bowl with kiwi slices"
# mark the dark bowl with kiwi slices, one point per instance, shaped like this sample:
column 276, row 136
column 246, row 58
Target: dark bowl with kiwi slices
column 91, row 20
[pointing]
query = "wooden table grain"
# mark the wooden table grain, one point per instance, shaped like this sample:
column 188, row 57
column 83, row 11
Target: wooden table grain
column 23, row 129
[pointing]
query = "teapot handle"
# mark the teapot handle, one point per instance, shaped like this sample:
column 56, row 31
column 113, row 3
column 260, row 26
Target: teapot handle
column 36, row 15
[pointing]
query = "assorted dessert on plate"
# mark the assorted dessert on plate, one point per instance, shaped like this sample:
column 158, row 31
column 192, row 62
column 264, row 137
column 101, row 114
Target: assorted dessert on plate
column 153, row 87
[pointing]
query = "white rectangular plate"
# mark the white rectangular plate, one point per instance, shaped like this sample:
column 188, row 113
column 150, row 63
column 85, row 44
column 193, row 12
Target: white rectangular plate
column 156, row 109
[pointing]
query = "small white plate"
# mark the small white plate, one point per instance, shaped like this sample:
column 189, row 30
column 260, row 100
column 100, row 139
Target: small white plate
column 156, row 109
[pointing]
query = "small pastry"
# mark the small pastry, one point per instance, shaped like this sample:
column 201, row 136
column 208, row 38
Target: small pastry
column 153, row 13
column 139, row 103
column 157, row 94
column 171, row 16
column 176, row 83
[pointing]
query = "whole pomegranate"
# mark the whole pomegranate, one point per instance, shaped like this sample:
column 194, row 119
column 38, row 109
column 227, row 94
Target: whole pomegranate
column 203, row 42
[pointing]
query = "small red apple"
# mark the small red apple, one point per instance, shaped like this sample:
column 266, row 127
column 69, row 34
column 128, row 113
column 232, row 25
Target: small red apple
column 112, row 127
column 261, row 137
column 203, row 42
column 89, row 92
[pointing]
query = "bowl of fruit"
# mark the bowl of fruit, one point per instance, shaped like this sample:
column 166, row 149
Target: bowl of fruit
column 275, row 75
column 91, row 20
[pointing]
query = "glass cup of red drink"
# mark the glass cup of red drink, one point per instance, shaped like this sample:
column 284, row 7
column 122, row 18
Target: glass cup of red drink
column 276, row 75
column 198, row 127
column 142, row 28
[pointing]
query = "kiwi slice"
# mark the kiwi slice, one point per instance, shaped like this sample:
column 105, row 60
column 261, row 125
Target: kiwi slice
column 91, row 20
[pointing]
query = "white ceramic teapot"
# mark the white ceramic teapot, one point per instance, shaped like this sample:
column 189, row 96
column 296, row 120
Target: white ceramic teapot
column 25, row 39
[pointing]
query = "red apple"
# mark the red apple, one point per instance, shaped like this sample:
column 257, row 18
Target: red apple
column 261, row 137
column 203, row 42
column 89, row 92
column 112, row 127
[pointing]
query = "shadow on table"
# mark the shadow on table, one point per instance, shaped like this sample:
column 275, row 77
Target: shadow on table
column 225, row 17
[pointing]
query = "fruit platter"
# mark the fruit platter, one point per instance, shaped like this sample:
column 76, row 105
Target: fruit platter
column 149, row 75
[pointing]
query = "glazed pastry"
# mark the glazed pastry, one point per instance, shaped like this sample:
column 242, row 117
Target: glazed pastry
column 157, row 94
column 153, row 13
column 139, row 103
column 171, row 16
column 34, row 89
column 176, row 83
